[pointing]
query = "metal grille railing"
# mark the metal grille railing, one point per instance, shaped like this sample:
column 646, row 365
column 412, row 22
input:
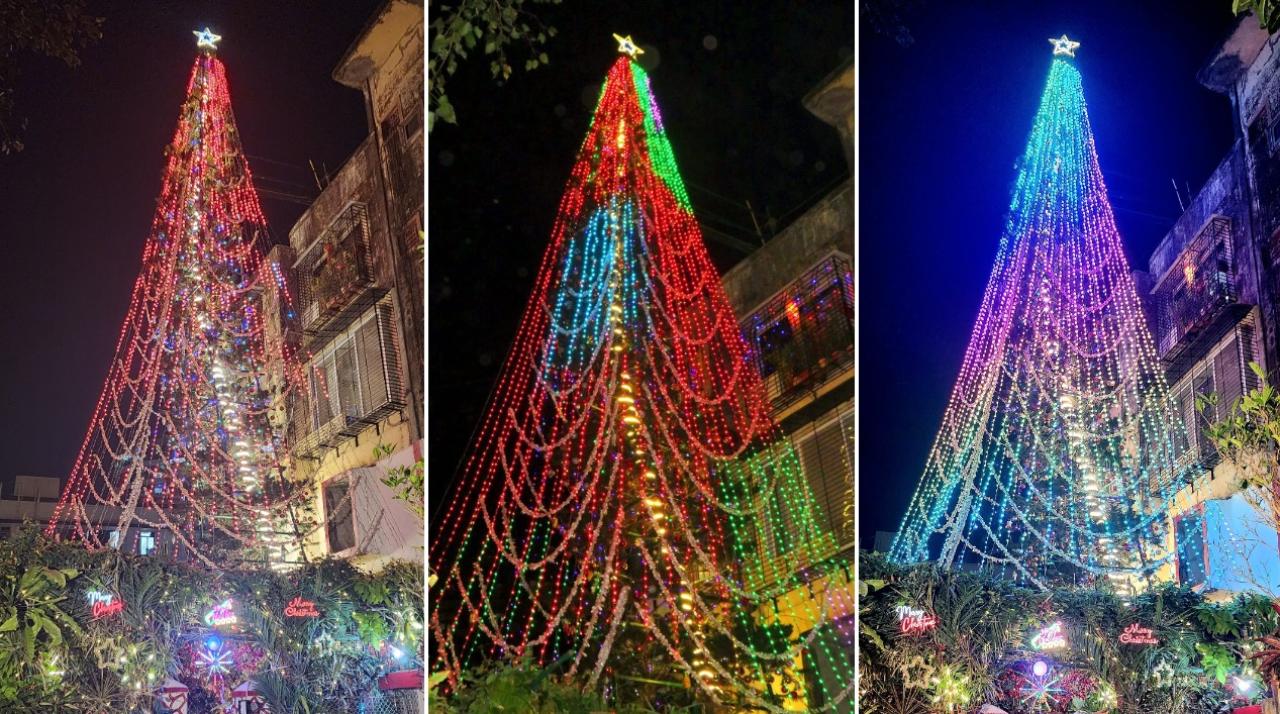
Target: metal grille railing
column 335, row 274
column 355, row 381
column 1195, row 290
column 397, row 701
column 803, row 336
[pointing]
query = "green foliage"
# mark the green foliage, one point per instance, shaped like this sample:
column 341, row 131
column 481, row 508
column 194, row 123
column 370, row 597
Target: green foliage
column 1216, row 660
column 515, row 686
column 465, row 27
column 55, row 657
column 984, row 626
column 408, row 481
column 57, row 29
column 1249, row 434
column 1267, row 12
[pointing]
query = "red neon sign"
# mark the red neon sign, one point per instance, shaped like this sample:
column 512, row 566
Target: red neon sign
column 298, row 607
column 914, row 621
column 104, row 604
column 1136, row 634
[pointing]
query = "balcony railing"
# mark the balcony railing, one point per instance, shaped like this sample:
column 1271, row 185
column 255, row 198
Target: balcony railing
column 335, row 275
column 803, row 336
column 1196, row 293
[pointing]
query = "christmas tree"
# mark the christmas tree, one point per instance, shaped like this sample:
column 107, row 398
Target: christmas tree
column 610, row 515
column 1059, row 446
column 183, row 450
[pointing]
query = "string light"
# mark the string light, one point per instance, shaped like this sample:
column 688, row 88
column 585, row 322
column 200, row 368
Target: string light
column 1058, row 452
column 181, row 442
column 628, row 464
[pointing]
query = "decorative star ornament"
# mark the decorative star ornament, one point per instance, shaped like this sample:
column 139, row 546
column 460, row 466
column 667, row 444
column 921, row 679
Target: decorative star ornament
column 1063, row 46
column 205, row 39
column 626, row 46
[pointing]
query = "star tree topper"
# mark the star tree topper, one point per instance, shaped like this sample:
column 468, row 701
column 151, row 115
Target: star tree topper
column 626, row 46
column 205, row 39
column 1063, row 46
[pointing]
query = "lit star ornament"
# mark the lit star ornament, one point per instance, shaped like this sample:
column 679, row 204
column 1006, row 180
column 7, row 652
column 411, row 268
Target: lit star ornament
column 1063, row 46
column 626, row 46
column 206, row 39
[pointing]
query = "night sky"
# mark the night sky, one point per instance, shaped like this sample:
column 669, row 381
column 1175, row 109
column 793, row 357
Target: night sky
column 729, row 85
column 942, row 122
column 76, row 205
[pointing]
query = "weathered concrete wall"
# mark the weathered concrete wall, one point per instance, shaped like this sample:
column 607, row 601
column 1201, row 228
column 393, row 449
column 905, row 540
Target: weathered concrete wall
column 832, row 102
column 1225, row 193
column 359, row 180
column 825, row 227
column 386, row 63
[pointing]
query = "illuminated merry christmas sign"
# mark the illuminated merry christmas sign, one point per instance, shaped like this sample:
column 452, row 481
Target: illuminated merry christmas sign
column 298, row 607
column 1050, row 637
column 104, row 604
column 222, row 614
column 1136, row 634
column 914, row 621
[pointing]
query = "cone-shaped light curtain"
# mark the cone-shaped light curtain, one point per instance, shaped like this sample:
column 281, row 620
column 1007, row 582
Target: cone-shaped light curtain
column 1057, row 450
column 181, row 441
column 627, row 463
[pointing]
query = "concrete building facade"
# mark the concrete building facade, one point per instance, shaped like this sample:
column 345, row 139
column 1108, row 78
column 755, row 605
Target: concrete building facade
column 1211, row 299
column 795, row 298
column 355, row 266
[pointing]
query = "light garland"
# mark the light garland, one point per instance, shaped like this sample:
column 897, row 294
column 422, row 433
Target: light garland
column 628, row 466
column 1058, row 451
column 181, row 441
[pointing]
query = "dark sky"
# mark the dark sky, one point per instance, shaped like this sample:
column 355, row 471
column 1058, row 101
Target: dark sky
column 729, row 85
column 942, row 122
column 76, row 205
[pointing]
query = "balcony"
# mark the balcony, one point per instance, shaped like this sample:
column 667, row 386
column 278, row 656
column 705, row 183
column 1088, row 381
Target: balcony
column 1195, row 299
column 335, row 275
column 802, row 337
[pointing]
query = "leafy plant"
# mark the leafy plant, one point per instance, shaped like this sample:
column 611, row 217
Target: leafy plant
column 517, row 686
column 1267, row 12
column 472, row 26
column 408, row 481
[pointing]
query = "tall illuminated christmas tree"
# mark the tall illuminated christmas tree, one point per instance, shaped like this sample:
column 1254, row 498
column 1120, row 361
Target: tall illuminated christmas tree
column 627, row 468
column 1058, row 449
column 183, row 452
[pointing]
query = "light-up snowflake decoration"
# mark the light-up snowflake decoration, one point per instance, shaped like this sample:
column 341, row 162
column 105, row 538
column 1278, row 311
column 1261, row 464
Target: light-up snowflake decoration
column 216, row 658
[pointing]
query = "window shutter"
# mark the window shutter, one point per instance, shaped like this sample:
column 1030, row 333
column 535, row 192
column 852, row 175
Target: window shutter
column 1226, row 366
column 1248, row 355
column 826, row 455
column 373, row 378
column 348, row 378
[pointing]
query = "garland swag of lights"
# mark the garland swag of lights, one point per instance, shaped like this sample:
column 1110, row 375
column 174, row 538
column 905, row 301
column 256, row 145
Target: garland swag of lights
column 627, row 468
column 182, row 439
column 1058, row 450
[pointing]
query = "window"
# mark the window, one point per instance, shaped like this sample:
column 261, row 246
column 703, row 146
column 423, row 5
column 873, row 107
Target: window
column 826, row 456
column 356, row 376
column 146, row 542
column 339, row 525
column 1189, row 530
column 1224, row 372
column 411, row 109
column 113, row 539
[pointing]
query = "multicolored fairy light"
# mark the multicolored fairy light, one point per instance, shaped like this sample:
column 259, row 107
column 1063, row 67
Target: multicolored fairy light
column 628, row 468
column 1059, row 448
column 184, row 448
